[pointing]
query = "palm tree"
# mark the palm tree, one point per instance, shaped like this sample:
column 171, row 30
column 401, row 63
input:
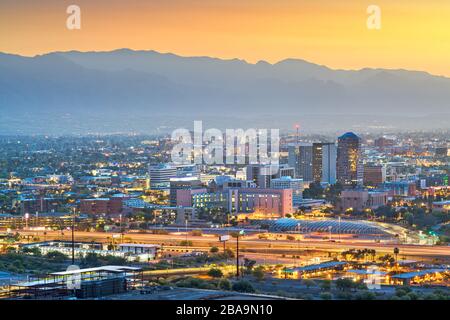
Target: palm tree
column 396, row 252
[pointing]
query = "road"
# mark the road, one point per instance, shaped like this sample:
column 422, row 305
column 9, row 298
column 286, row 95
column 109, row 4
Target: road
column 251, row 244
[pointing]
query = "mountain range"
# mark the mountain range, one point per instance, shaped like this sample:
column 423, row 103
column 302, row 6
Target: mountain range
column 146, row 91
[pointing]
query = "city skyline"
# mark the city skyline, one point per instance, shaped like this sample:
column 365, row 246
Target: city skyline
column 203, row 150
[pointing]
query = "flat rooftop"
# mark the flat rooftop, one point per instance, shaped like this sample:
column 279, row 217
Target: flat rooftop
column 113, row 269
column 421, row 273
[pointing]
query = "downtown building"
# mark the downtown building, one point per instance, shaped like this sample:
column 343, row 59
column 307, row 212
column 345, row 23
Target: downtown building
column 263, row 174
column 103, row 206
column 360, row 200
column 324, row 162
column 374, row 175
column 300, row 157
column 182, row 189
column 161, row 174
column 274, row 202
column 286, row 182
column 349, row 166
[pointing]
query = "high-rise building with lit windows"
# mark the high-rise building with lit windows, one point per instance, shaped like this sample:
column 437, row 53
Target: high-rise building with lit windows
column 300, row 157
column 324, row 162
column 349, row 166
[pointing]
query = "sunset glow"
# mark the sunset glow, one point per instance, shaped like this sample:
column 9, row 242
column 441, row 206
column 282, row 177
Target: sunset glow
column 415, row 34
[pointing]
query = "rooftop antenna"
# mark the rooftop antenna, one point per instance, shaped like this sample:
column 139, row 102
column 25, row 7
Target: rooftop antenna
column 297, row 127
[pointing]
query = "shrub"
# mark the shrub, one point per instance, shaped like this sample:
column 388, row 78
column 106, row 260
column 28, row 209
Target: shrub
column 326, row 285
column 365, row 295
column 56, row 256
column 224, row 284
column 243, row 286
column 215, row 273
column 186, row 243
column 258, row 273
column 326, row 296
column 309, row 283
column 196, row 232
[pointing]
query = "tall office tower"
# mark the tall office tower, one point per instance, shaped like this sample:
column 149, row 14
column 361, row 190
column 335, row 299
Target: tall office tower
column 324, row 162
column 349, row 165
column 300, row 156
column 160, row 176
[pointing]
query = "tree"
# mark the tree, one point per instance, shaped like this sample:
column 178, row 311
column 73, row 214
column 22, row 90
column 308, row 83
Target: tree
column 249, row 264
column 326, row 285
column 387, row 258
column 333, row 192
column 344, row 284
column 315, row 191
column 214, row 250
column 396, row 252
column 215, row 273
column 35, row 251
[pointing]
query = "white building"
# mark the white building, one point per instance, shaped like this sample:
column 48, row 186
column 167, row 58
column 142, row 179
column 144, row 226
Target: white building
column 160, row 176
column 142, row 251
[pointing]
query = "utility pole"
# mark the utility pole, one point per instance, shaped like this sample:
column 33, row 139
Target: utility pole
column 298, row 243
column 73, row 236
column 237, row 252
column 237, row 256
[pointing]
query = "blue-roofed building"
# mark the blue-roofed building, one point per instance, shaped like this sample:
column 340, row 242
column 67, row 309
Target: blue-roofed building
column 326, row 226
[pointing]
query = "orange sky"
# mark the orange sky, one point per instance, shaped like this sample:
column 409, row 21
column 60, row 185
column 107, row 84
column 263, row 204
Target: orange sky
column 415, row 34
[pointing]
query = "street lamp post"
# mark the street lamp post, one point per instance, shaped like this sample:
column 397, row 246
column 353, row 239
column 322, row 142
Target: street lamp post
column 186, row 231
column 339, row 226
column 121, row 228
column 26, row 220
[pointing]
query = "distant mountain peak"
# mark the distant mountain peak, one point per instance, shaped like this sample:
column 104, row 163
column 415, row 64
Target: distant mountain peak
column 126, row 85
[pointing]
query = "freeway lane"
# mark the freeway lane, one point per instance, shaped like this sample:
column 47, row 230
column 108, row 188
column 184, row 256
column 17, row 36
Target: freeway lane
column 251, row 244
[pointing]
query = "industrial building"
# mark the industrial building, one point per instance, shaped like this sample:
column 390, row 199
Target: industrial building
column 80, row 283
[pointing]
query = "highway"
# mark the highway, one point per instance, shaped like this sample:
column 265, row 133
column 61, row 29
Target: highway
column 251, row 244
